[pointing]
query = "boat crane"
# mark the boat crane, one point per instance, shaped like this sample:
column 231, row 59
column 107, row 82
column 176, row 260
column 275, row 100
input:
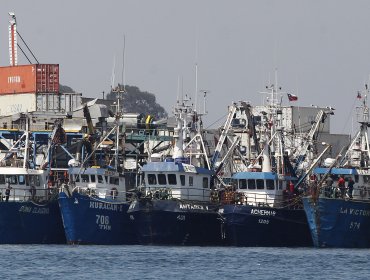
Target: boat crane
column 225, row 130
column 301, row 154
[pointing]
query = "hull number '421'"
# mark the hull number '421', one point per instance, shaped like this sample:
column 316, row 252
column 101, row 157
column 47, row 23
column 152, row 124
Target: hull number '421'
column 103, row 222
column 181, row 217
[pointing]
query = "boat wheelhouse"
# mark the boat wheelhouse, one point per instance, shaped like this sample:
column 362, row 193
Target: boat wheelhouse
column 177, row 180
column 262, row 188
column 100, row 182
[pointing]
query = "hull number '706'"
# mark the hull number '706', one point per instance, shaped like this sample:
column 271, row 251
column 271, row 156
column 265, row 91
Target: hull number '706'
column 103, row 222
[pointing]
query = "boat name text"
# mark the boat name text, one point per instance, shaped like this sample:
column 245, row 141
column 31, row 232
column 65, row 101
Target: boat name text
column 106, row 206
column 34, row 210
column 355, row 212
column 188, row 206
column 262, row 212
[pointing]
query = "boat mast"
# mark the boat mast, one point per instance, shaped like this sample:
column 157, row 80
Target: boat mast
column 25, row 161
column 358, row 154
column 274, row 133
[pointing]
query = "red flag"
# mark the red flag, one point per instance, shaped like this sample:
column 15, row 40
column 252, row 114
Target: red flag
column 292, row 97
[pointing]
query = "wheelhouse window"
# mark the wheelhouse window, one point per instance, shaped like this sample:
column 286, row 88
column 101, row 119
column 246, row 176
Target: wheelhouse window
column 92, row 178
column 251, row 184
column 21, row 179
column 12, row 179
column 162, row 179
column 100, row 179
column 270, row 184
column 31, row 180
column 182, row 180
column 37, row 181
column 172, row 179
column 366, row 179
column 152, row 179
column 85, row 178
column 2, row 179
column 242, row 184
column 191, row 181
column 260, row 184
column 205, row 183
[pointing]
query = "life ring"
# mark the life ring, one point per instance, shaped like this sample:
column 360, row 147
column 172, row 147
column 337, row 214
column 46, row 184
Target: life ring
column 114, row 192
column 363, row 191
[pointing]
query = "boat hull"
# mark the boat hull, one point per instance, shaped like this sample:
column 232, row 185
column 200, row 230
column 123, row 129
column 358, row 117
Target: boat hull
column 30, row 223
column 246, row 225
column 175, row 222
column 338, row 223
column 89, row 220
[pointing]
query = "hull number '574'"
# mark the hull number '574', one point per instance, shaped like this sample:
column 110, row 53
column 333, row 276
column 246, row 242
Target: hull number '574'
column 103, row 222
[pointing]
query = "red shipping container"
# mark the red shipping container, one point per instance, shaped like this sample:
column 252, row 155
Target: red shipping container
column 36, row 78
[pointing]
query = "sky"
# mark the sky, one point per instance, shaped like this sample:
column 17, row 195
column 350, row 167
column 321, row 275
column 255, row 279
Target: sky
column 320, row 48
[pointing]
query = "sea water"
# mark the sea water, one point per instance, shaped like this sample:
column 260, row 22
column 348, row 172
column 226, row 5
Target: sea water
column 159, row 262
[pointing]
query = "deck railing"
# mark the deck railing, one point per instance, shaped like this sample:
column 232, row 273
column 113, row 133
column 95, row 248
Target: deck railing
column 113, row 194
column 183, row 193
column 261, row 199
column 30, row 194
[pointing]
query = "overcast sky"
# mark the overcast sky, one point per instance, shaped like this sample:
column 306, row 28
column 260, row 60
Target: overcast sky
column 320, row 48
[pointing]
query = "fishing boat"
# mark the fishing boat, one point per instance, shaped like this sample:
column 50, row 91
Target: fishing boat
column 173, row 205
column 29, row 211
column 338, row 208
column 94, row 208
column 262, row 206
column 95, row 200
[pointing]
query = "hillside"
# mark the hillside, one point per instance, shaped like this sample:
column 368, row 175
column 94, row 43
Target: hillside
column 138, row 101
column 134, row 101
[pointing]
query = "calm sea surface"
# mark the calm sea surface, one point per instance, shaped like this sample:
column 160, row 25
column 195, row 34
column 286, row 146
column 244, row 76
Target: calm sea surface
column 151, row 262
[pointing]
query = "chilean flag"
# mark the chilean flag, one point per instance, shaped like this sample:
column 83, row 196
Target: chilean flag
column 292, row 97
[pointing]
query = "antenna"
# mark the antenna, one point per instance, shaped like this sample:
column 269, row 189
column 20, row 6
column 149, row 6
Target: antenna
column 13, row 56
column 196, row 87
column 178, row 88
column 113, row 72
column 196, row 76
column 123, row 62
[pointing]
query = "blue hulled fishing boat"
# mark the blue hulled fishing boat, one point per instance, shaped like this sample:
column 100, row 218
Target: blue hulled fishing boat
column 95, row 200
column 94, row 208
column 29, row 211
column 338, row 209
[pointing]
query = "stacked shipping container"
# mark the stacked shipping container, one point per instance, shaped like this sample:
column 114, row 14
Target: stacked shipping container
column 35, row 87
column 33, row 78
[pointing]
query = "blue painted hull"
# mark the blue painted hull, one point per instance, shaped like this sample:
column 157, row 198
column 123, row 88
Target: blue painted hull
column 246, row 225
column 338, row 223
column 30, row 223
column 175, row 222
column 89, row 220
